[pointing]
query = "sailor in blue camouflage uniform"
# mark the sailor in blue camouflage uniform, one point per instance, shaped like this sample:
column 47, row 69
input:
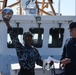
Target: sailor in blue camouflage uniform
column 27, row 54
column 68, row 58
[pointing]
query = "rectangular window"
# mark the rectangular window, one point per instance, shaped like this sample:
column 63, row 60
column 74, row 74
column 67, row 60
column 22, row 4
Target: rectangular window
column 37, row 37
column 55, row 37
column 19, row 32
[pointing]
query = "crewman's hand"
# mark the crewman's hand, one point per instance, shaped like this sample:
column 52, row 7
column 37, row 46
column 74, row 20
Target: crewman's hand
column 65, row 61
column 51, row 63
column 6, row 20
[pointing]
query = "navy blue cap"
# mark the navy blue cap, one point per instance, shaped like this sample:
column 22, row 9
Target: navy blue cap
column 27, row 34
column 72, row 25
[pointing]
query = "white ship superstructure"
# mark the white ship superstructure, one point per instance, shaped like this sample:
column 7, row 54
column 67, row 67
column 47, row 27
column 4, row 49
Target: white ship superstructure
column 49, row 35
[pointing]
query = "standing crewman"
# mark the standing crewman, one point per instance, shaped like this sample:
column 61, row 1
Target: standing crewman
column 27, row 54
column 68, row 59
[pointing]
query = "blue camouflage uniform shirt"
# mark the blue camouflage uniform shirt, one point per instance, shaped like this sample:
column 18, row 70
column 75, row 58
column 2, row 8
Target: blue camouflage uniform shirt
column 27, row 56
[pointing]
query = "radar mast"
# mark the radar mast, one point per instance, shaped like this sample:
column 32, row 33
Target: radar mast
column 42, row 6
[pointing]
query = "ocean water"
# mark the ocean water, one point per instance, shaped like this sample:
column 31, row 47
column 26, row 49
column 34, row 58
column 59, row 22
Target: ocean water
column 57, row 57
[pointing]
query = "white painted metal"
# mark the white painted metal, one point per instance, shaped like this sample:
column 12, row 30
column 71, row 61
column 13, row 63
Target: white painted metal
column 8, row 55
